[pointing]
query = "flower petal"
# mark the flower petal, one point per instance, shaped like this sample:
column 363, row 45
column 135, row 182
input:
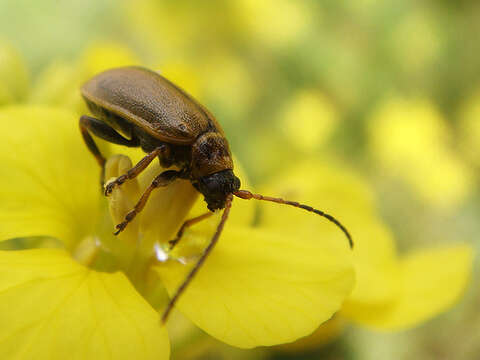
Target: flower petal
column 49, row 183
column 330, row 188
column 264, row 288
column 344, row 195
column 376, row 263
column 433, row 280
column 53, row 308
column 324, row 335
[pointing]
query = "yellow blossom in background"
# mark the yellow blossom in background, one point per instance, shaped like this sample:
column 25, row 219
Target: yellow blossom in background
column 274, row 23
column 173, row 31
column 470, row 128
column 260, row 286
column 411, row 140
column 308, row 120
column 184, row 75
column 59, row 84
column 14, row 79
column 102, row 56
column 227, row 81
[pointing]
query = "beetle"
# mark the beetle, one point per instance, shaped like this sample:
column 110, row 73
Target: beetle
column 137, row 107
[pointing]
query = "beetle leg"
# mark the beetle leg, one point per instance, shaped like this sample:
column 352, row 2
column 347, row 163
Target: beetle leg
column 102, row 130
column 161, row 180
column 136, row 170
column 203, row 257
column 187, row 224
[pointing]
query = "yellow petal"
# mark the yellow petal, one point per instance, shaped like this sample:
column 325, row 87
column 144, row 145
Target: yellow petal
column 264, row 288
column 432, row 281
column 376, row 264
column 324, row 186
column 50, row 182
column 53, row 308
column 344, row 195
column 324, row 335
column 123, row 198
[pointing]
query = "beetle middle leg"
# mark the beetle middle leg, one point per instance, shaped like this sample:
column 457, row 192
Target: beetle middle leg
column 99, row 128
column 164, row 179
column 137, row 169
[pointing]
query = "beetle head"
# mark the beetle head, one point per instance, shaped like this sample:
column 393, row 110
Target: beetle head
column 216, row 188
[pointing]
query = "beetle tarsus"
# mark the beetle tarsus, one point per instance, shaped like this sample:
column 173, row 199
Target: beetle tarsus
column 120, row 227
column 161, row 180
column 137, row 169
column 111, row 185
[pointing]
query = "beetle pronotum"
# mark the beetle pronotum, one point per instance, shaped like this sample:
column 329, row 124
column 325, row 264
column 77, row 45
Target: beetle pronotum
column 137, row 107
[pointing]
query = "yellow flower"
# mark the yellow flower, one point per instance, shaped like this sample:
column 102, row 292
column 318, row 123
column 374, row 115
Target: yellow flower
column 411, row 140
column 97, row 295
column 308, row 120
column 277, row 24
column 14, row 79
column 392, row 292
column 59, row 83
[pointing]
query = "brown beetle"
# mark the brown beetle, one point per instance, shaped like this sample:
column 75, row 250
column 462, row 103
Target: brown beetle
column 137, row 107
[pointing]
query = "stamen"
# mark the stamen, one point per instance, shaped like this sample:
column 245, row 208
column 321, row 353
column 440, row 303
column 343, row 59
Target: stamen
column 87, row 250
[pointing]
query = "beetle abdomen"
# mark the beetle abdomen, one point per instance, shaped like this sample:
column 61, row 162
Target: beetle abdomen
column 150, row 101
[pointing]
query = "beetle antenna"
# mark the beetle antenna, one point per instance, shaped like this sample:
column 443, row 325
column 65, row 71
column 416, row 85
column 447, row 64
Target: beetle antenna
column 206, row 252
column 247, row 195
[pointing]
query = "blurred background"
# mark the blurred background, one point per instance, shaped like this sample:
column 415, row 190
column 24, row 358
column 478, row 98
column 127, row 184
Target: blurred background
column 389, row 89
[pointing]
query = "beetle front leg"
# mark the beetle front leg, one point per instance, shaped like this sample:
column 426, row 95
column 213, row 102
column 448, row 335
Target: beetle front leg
column 137, row 169
column 161, row 180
